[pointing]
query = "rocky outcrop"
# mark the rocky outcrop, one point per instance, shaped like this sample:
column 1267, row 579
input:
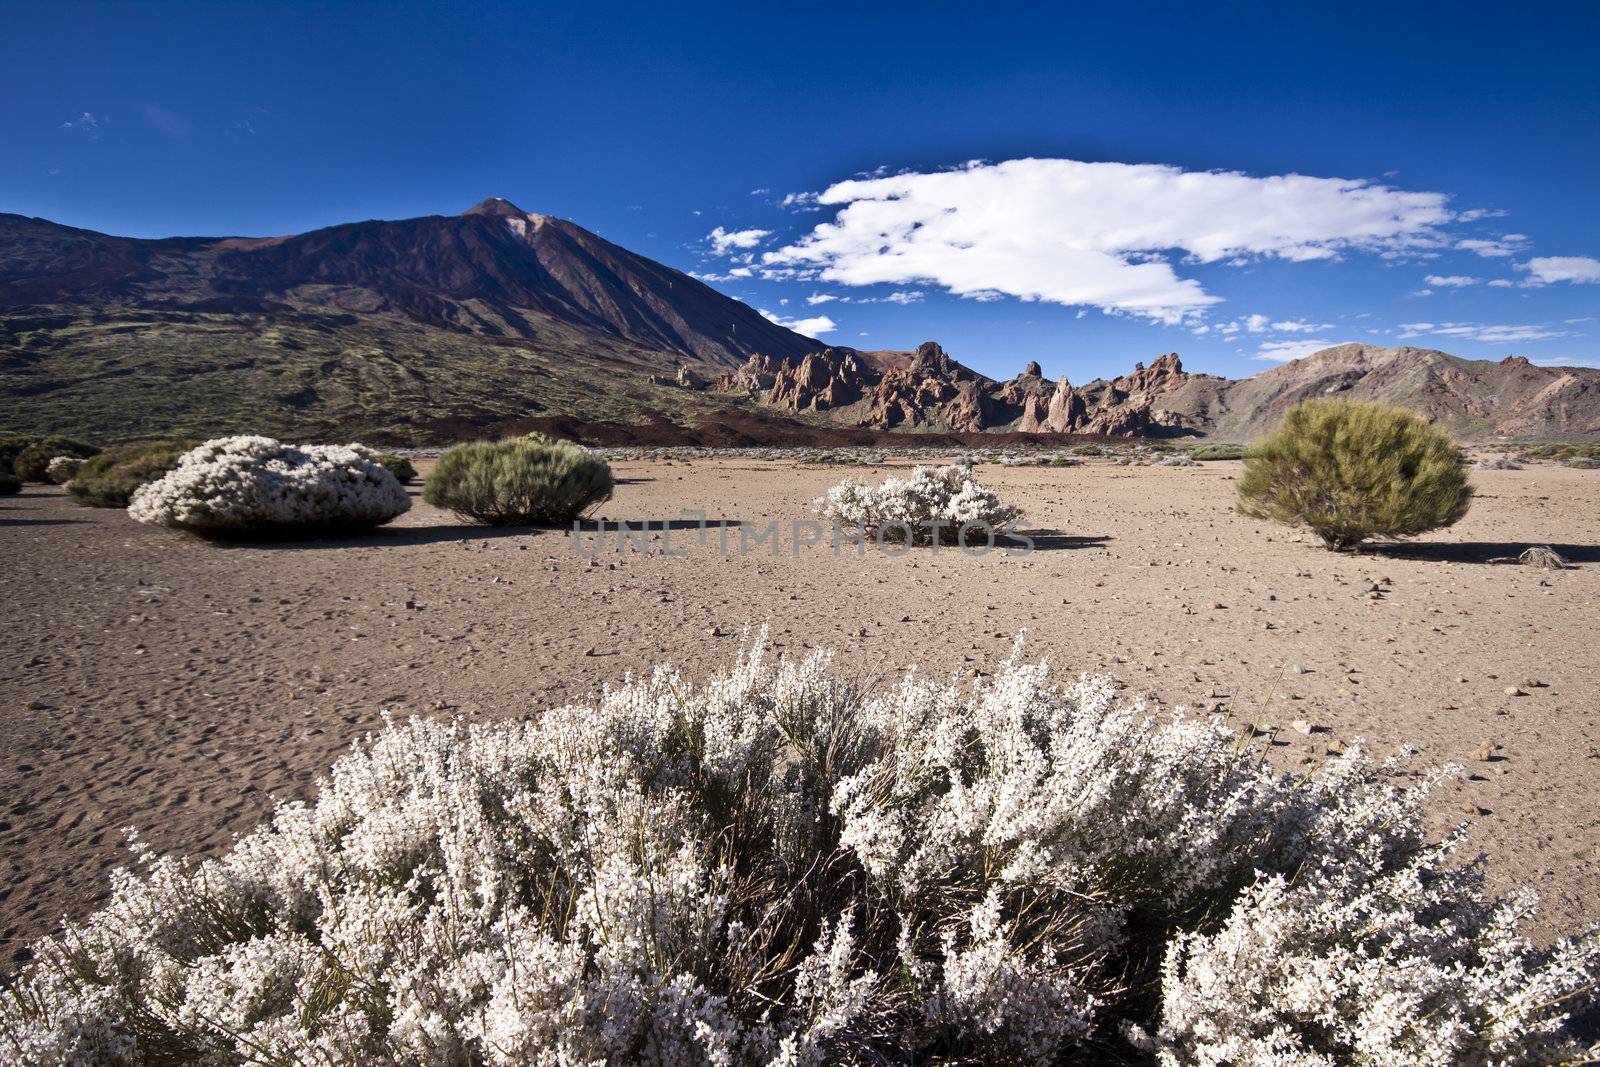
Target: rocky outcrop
column 927, row 390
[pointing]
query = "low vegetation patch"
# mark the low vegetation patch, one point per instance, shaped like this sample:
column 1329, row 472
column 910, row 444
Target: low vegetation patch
column 519, row 482
column 1204, row 453
column 33, row 460
column 934, row 505
column 1355, row 471
column 255, row 486
column 1560, row 452
column 10, row 484
column 110, row 479
column 775, row 868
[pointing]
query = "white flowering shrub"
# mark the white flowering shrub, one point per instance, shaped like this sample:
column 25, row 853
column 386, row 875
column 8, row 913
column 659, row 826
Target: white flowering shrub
column 935, row 504
column 255, row 485
column 773, row 868
column 60, row 469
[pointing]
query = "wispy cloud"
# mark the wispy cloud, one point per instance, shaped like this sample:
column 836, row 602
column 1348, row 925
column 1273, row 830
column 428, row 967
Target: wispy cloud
column 1476, row 331
column 1508, row 245
column 1567, row 361
column 1451, row 281
column 1283, row 351
column 1097, row 234
column 87, row 122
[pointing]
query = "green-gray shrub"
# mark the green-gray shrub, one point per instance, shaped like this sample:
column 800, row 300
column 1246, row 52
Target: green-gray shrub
column 31, row 462
column 109, row 479
column 1353, row 471
column 11, row 446
column 1217, row 451
column 518, row 482
column 399, row 466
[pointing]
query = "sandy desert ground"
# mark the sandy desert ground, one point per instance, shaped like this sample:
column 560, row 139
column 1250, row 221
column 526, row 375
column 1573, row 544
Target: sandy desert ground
column 153, row 680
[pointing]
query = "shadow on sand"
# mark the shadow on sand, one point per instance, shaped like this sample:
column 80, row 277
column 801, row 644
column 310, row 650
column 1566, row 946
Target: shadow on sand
column 41, row 522
column 1476, row 551
column 1049, row 541
column 400, row 536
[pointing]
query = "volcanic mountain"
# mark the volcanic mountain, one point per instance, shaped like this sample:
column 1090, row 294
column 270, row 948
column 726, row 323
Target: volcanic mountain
column 421, row 327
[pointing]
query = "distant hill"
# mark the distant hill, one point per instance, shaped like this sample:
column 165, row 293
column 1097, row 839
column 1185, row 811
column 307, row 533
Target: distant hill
column 443, row 327
column 928, row 391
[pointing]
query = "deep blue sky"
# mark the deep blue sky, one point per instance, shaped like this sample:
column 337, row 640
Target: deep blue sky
column 652, row 124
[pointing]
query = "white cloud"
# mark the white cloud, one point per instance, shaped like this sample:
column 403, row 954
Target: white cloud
column 1451, row 281
column 813, row 327
column 1508, row 245
column 1422, row 292
column 1097, row 234
column 1542, row 270
column 904, row 296
column 1257, row 323
column 1501, row 283
column 820, row 298
column 1283, row 351
column 725, row 241
column 1477, row 331
column 1301, row 326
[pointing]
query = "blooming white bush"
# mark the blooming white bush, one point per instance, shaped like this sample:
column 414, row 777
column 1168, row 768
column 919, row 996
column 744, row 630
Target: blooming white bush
column 933, row 504
column 258, row 485
column 772, row 868
column 61, row 469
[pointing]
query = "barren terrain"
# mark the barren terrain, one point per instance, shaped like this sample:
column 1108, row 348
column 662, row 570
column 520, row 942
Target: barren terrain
column 158, row 681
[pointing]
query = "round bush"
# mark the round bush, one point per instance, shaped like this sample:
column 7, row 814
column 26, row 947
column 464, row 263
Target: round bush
column 10, row 484
column 11, row 446
column 110, row 479
column 773, row 869
column 1354, row 471
column 34, row 460
column 246, row 486
column 519, row 482
column 935, row 504
column 399, row 466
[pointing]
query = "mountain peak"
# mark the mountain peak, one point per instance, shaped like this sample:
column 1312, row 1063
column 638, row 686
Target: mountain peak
column 497, row 207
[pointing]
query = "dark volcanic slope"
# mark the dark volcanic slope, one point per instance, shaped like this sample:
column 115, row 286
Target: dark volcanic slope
column 494, row 270
column 418, row 330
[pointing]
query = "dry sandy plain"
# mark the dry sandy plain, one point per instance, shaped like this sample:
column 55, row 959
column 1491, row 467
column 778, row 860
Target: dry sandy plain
column 153, row 680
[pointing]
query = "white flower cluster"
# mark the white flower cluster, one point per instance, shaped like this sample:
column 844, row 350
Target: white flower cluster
column 935, row 504
column 773, row 868
column 62, row 469
column 258, row 485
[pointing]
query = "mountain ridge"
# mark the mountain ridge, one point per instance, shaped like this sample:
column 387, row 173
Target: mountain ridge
column 430, row 329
